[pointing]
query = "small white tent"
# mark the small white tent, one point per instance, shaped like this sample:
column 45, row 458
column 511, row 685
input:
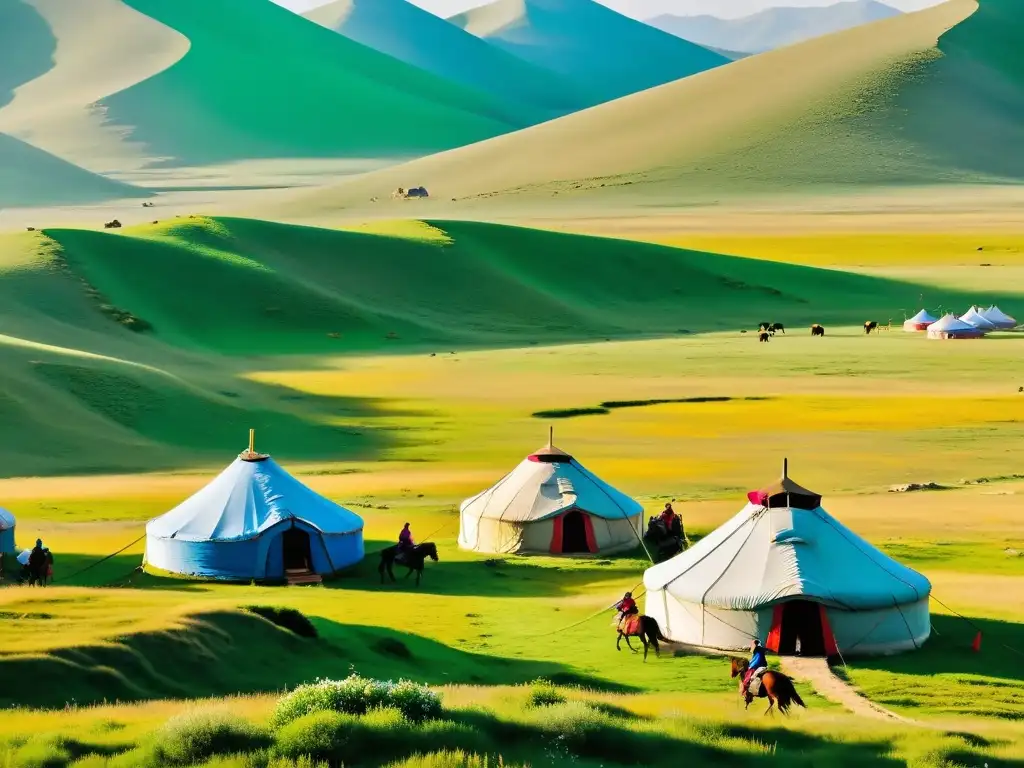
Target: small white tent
column 784, row 569
column 550, row 503
column 952, row 327
column 974, row 317
column 918, row 322
column 998, row 318
column 254, row 521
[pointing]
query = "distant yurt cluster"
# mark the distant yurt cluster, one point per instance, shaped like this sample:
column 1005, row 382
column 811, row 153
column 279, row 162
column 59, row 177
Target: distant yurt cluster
column 550, row 503
column 786, row 572
column 973, row 324
column 254, row 521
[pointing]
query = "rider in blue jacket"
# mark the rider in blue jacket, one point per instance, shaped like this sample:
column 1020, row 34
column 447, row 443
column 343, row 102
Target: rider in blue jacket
column 758, row 660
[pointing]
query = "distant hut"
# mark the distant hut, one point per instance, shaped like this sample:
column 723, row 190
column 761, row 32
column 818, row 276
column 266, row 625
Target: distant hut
column 254, row 521
column 998, row 318
column 785, row 571
column 919, row 322
column 952, row 327
column 974, row 317
column 7, row 523
column 550, row 503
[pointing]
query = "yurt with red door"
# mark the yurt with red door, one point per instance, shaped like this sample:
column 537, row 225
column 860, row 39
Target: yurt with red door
column 550, row 504
column 919, row 322
column 786, row 572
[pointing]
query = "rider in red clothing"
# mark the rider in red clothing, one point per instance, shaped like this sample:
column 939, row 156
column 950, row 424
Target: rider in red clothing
column 626, row 606
column 405, row 542
column 668, row 515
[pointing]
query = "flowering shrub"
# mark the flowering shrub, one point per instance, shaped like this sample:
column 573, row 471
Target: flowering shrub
column 357, row 695
column 544, row 693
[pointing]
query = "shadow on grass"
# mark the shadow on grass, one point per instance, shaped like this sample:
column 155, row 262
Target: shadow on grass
column 497, row 576
column 229, row 652
column 948, row 651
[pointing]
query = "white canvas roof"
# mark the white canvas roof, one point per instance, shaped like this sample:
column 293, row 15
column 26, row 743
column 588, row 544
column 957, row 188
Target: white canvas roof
column 246, row 499
column 978, row 320
column 6, row 520
column 951, row 323
column 763, row 555
column 922, row 317
column 545, row 484
column 999, row 318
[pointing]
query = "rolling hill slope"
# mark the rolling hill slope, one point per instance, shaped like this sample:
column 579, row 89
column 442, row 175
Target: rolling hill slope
column 774, row 27
column 608, row 54
column 885, row 105
column 30, row 177
column 417, row 37
column 130, row 351
column 208, row 81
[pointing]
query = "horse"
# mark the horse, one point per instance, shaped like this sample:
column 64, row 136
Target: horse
column 764, row 337
column 644, row 627
column 817, row 330
column 775, row 686
column 665, row 543
column 413, row 560
column 870, row 326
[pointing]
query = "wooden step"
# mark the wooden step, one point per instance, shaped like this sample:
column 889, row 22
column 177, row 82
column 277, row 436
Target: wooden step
column 301, row 576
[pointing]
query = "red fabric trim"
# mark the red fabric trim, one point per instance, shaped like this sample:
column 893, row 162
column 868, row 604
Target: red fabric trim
column 533, row 457
column 831, row 649
column 588, row 526
column 775, row 633
column 757, row 497
column 556, row 536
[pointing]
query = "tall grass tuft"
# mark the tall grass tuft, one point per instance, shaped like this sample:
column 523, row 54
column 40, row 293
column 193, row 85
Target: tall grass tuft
column 453, row 759
column 196, row 736
column 357, row 695
column 543, row 693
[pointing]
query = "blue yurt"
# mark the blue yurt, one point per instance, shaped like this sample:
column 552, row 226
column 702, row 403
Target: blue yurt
column 255, row 521
column 6, row 531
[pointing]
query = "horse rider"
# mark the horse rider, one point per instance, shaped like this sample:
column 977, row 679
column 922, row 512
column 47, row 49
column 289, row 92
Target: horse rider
column 668, row 518
column 758, row 660
column 37, row 563
column 405, row 542
column 626, row 607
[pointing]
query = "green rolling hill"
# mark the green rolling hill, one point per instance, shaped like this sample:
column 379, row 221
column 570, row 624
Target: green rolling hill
column 201, row 82
column 129, row 351
column 929, row 98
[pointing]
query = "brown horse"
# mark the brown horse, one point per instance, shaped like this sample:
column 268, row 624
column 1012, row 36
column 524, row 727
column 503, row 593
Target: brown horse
column 644, row 627
column 775, row 686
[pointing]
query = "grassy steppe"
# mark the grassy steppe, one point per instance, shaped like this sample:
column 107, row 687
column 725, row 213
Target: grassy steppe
column 139, row 348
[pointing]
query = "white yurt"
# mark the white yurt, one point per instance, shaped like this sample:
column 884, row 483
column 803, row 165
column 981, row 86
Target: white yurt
column 550, row 503
column 919, row 322
column 974, row 317
column 952, row 327
column 7, row 524
column 254, row 521
column 998, row 318
column 785, row 571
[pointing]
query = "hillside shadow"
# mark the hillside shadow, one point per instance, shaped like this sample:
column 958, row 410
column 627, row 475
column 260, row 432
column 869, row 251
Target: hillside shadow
column 203, row 659
column 948, row 651
column 611, row 741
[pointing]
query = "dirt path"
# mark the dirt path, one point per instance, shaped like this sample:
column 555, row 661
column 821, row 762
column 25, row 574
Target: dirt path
column 817, row 673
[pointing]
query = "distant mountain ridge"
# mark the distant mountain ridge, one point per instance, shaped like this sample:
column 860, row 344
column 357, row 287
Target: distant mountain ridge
column 418, row 37
column 608, row 54
column 773, row 27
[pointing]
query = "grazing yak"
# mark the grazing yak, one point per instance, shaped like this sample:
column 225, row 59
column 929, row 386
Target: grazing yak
column 771, row 328
column 763, row 336
column 870, row 326
column 817, row 330
column 115, row 224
